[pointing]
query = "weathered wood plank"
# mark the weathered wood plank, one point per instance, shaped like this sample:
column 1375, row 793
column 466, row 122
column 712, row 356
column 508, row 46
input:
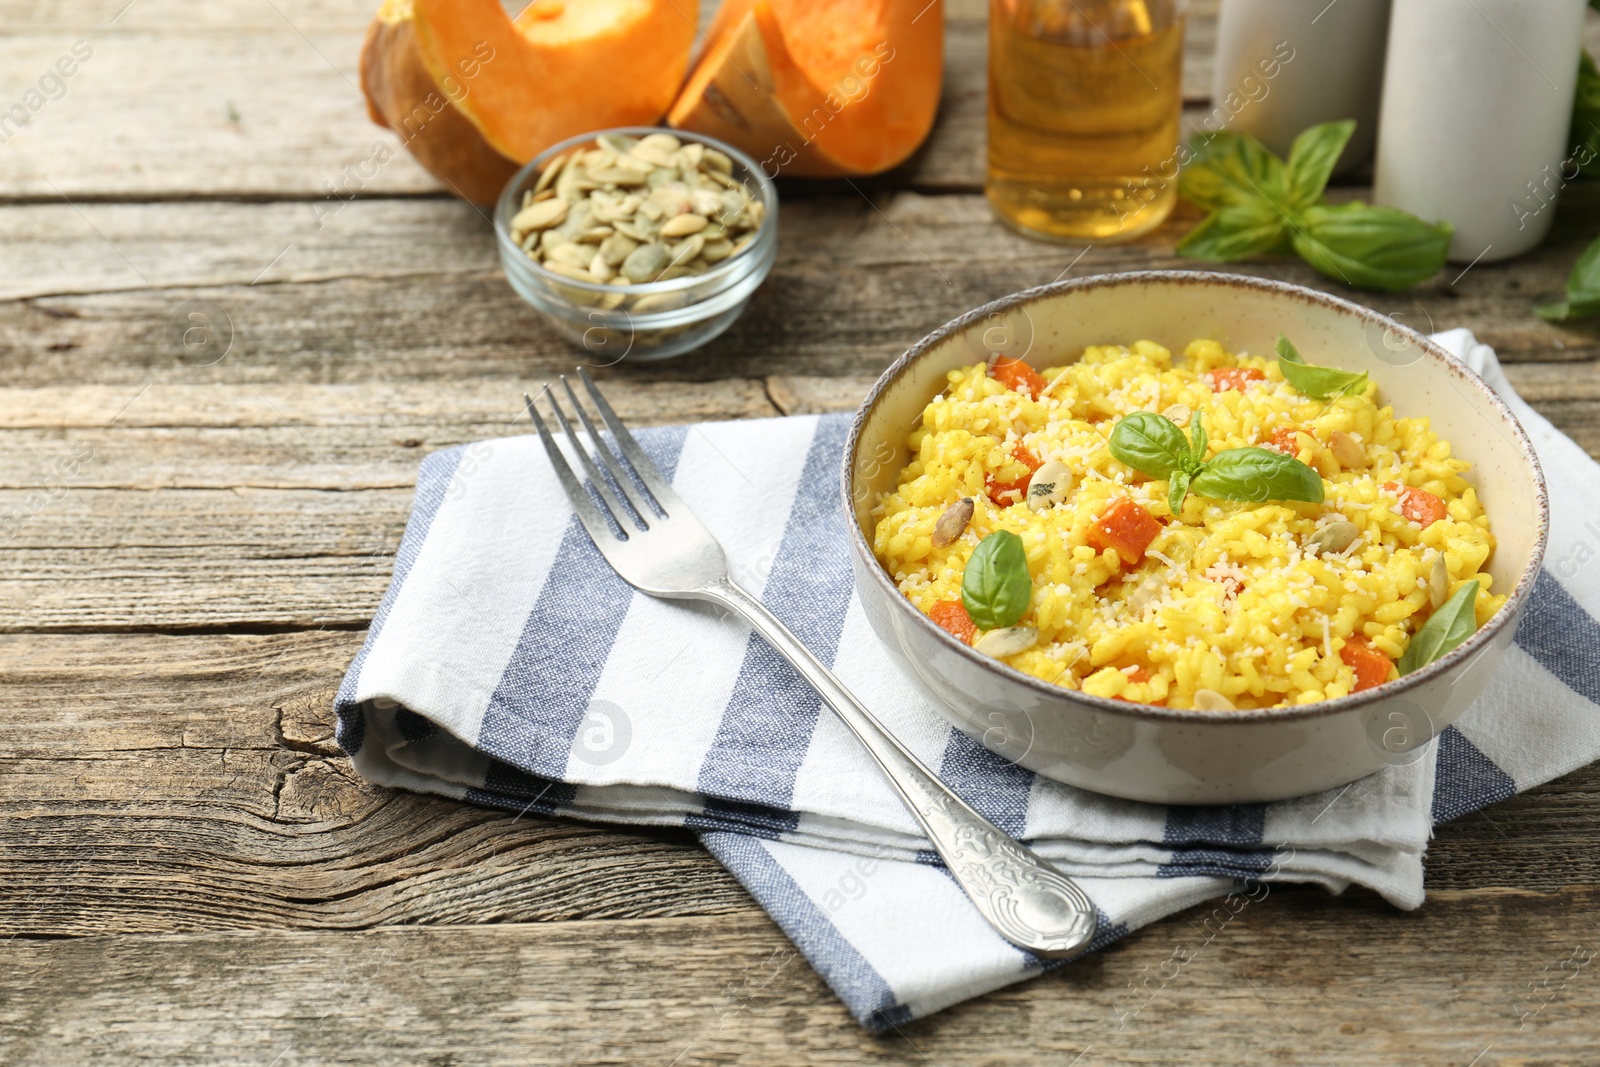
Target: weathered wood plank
column 1363, row 985
column 885, row 273
column 190, row 782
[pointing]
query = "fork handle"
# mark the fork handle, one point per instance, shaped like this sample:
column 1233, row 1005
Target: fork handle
column 1027, row 901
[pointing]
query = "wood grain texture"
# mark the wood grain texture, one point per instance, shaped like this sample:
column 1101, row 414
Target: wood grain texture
column 856, row 282
column 1363, row 986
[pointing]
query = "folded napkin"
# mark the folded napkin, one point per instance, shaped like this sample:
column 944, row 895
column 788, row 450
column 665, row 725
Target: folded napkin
column 509, row 666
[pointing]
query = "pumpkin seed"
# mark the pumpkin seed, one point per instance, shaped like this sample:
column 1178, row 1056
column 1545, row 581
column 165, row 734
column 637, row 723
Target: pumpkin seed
column 570, row 254
column 1333, row 538
column 630, row 210
column 617, row 176
column 615, row 248
column 1211, row 700
column 1007, row 641
column 687, row 250
column 659, row 302
column 953, row 523
column 1178, row 413
column 551, row 171
column 1438, row 581
column 644, row 262
column 665, row 142
column 1049, row 485
column 1347, row 450
column 540, row 216
column 683, row 225
column 620, row 143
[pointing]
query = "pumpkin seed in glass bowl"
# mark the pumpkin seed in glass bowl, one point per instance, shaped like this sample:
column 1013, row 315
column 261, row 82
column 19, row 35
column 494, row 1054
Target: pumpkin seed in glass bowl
column 638, row 243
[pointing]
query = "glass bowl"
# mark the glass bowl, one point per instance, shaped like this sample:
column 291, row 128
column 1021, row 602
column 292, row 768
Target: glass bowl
column 651, row 320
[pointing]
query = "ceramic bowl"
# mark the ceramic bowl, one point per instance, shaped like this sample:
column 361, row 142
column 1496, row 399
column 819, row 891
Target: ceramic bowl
column 1167, row 755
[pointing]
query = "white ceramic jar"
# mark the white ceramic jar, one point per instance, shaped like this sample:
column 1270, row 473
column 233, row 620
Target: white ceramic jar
column 1476, row 104
column 1283, row 65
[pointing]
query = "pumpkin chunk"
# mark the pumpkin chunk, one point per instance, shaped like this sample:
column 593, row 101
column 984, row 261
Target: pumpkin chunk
column 999, row 491
column 1222, row 379
column 1418, row 505
column 1371, row 666
column 819, row 88
column 952, row 616
column 1017, row 375
column 1126, row 527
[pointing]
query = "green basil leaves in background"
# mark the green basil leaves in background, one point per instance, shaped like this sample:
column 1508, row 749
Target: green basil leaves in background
column 1319, row 383
column 1154, row 446
column 1585, row 130
column 1583, row 284
column 1453, row 623
column 1583, row 289
column 996, row 586
column 1260, row 205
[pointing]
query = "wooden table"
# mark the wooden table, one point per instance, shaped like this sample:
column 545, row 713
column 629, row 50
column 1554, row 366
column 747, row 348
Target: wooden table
column 193, row 539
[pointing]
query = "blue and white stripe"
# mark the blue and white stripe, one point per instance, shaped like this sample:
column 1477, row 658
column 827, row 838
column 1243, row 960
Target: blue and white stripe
column 509, row 666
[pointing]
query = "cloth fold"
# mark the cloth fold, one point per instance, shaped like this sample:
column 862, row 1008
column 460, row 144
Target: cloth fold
column 507, row 665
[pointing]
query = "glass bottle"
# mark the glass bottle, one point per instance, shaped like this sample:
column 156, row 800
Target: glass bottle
column 1084, row 104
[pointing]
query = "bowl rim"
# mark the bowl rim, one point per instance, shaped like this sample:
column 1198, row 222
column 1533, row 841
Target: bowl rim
column 765, row 234
column 1507, row 615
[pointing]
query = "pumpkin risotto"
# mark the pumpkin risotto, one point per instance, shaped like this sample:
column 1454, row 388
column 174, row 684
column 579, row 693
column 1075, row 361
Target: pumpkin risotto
column 1251, row 595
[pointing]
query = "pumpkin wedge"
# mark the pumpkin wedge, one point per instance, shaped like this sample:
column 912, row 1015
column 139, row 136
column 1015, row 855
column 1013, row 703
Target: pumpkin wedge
column 402, row 95
column 562, row 68
column 819, row 88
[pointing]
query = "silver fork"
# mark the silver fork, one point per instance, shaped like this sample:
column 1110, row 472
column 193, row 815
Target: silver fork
column 659, row 547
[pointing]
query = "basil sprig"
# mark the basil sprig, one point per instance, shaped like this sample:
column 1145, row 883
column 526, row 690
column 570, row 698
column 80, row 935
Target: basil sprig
column 1153, row 445
column 1583, row 289
column 1454, row 622
column 996, row 586
column 1261, row 205
column 1319, row 383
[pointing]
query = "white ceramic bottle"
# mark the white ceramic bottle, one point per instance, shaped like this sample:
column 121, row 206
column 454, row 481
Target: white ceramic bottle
column 1476, row 103
column 1325, row 63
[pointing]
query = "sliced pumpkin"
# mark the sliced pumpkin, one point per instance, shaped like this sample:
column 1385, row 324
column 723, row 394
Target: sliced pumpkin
column 819, row 88
column 402, row 95
column 562, row 68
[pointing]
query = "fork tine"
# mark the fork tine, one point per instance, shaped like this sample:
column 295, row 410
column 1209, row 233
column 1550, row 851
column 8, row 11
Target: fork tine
column 640, row 500
column 588, row 514
column 648, row 472
column 617, row 508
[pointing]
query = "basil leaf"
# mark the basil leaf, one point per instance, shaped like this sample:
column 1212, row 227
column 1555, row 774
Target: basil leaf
column 1370, row 247
column 1453, row 623
column 996, row 586
column 1312, row 157
column 1229, row 168
column 1319, row 383
column 1583, row 289
column 1151, row 444
column 1197, row 442
column 1177, row 489
column 1236, row 232
column 1257, row 474
column 1584, row 135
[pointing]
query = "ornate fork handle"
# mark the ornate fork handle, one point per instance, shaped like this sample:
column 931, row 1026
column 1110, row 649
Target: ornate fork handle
column 1030, row 903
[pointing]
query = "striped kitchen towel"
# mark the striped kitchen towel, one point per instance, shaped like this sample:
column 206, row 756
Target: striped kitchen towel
column 508, row 666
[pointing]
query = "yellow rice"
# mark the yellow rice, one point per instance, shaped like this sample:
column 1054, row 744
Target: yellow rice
column 1274, row 642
